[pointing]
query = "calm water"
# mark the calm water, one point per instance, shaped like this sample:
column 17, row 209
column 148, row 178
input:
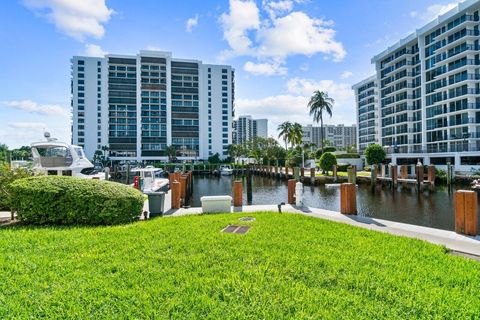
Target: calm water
column 431, row 209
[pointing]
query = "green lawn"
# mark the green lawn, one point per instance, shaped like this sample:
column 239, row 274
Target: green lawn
column 286, row 266
column 344, row 174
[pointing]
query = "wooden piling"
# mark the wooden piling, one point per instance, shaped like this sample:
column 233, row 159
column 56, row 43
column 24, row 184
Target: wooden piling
column 175, row 194
column 291, row 191
column 237, row 193
column 334, row 171
column 312, row 176
column 403, row 171
column 348, row 198
column 373, row 175
column 183, row 187
column 431, row 174
column 249, row 185
column 394, row 175
column 302, row 172
column 419, row 175
column 466, row 212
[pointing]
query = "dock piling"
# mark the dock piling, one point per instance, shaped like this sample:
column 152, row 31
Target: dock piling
column 237, row 193
column 348, row 198
column 466, row 212
column 291, row 191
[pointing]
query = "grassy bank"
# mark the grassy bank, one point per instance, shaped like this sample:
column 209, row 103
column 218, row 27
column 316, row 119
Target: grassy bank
column 286, row 266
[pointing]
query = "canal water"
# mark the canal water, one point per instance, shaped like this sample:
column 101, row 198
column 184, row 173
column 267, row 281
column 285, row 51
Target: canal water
column 430, row 209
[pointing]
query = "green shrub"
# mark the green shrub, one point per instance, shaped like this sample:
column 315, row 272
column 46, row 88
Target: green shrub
column 374, row 154
column 70, row 200
column 342, row 167
column 440, row 176
column 7, row 176
column 327, row 161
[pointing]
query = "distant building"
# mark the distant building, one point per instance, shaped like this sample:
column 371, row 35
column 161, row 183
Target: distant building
column 339, row 136
column 138, row 105
column 246, row 128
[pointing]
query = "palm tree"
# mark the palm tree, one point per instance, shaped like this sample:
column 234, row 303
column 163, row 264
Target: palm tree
column 296, row 134
column 320, row 102
column 171, row 152
column 284, row 133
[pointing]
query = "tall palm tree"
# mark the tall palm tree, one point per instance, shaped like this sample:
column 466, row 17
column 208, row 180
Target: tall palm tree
column 171, row 152
column 296, row 134
column 284, row 133
column 320, row 102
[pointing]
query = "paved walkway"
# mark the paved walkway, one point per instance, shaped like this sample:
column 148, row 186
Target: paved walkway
column 449, row 239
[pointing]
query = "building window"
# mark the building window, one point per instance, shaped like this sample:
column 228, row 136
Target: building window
column 81, row 62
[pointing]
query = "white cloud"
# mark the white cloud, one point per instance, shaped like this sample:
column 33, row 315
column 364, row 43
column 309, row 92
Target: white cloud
column 340, row 92
column 434, row 10
column 243, row 16
column 346, row 74
column 191, row 22
column 282, row 34
column 28, row 125
column 93, row 50
column 153, row 48
column 33, row 107
column 76, row 18
column 267, row 69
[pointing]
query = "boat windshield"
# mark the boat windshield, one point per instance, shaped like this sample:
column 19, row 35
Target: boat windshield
column 54, row 156
column 79, row 151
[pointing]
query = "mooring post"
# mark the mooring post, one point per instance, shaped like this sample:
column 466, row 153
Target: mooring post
column 466, row 212
column 127, row 174
column 394, row 175
column 286, row 172
column 299, row 194
column 249, row 185
column 431, row 174
column 403, row 171
column 107, row 173
column 183, row 188
column 334, row 172
column 449, row 175
column 312, row 176
column 373, row 175
column 291, row 191
column 348, row 198
column 175, row 194
column 237, row 193
column 419, row 175
column 302, row 172
column 382, row 170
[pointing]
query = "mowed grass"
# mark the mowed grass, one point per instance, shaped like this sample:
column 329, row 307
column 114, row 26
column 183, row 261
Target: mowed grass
column 286, row 267
column 344, row 174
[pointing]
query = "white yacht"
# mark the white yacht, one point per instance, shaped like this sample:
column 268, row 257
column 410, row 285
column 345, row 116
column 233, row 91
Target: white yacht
column 53, row 157
column 152, row 179
column 226, row 170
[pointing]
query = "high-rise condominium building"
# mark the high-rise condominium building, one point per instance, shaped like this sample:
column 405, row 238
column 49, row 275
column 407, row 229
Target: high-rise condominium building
column 339, row 136
column 246, row 128
column 424, row 100
column 138, row 105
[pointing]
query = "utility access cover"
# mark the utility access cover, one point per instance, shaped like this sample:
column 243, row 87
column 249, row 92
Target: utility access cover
column 236, row 229
column 247, row 219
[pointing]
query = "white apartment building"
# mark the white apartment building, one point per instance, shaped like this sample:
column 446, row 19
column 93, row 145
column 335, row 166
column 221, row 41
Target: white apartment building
column 246, row 128
column 137, row 105
column 366, row 95
column 339, row 136
column 428, row 92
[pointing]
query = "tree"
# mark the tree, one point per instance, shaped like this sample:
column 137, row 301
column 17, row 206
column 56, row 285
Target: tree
column 214, row 159
column 284, row 133
column 296, row 134
column 235, row 151
column 171, row 152
column 320, row 102
column 22, row 153
column 327, row 161
column 4, row 153
column 374, row 154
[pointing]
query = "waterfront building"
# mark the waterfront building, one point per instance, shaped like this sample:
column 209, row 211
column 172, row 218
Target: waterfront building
column 137, row 105
column 246, row 128
column 427, row 87
column 339, row 136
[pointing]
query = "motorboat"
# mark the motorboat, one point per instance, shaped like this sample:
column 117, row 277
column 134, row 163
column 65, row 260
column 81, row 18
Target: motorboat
column 52, row 157
column 226, row 170
column 475, row 185
column 151, row 179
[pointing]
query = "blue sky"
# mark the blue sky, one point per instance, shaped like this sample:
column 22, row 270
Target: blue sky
column 282, row 50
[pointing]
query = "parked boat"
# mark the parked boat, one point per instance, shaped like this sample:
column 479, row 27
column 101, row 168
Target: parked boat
column 226, row 170
column 53, row 157
column 475, row 185
column 152, row 179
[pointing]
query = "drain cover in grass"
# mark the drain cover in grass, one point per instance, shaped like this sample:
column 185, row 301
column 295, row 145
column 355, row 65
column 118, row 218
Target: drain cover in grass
column 236, row 229
column 247, row 219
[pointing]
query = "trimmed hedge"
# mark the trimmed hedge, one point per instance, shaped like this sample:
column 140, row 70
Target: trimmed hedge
column 70, row 200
